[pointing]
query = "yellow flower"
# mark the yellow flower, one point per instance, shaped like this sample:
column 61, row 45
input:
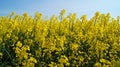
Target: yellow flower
column 19, row 44
column 25, row 15
column 98, row 64
column 63, row 12
column 33, row 60
column 75, row 46
column 63, row 60
column 38, row 15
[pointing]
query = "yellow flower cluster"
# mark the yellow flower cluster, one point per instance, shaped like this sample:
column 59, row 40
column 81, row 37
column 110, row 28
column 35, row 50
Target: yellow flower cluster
column 23, row 56
column 59, row 41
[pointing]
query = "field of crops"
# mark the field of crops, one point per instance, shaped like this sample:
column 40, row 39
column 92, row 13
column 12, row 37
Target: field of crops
column 59, row 41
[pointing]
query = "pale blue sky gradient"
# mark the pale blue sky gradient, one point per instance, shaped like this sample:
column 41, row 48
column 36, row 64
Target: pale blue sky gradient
column 49, row 7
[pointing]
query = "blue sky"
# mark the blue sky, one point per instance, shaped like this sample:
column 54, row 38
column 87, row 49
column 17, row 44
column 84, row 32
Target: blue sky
column 49, row 7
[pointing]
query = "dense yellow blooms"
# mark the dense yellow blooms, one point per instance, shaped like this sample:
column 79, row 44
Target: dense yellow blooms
column 59, row 41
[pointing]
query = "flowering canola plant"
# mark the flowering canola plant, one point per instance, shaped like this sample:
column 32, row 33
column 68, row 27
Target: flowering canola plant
column 59, row 41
